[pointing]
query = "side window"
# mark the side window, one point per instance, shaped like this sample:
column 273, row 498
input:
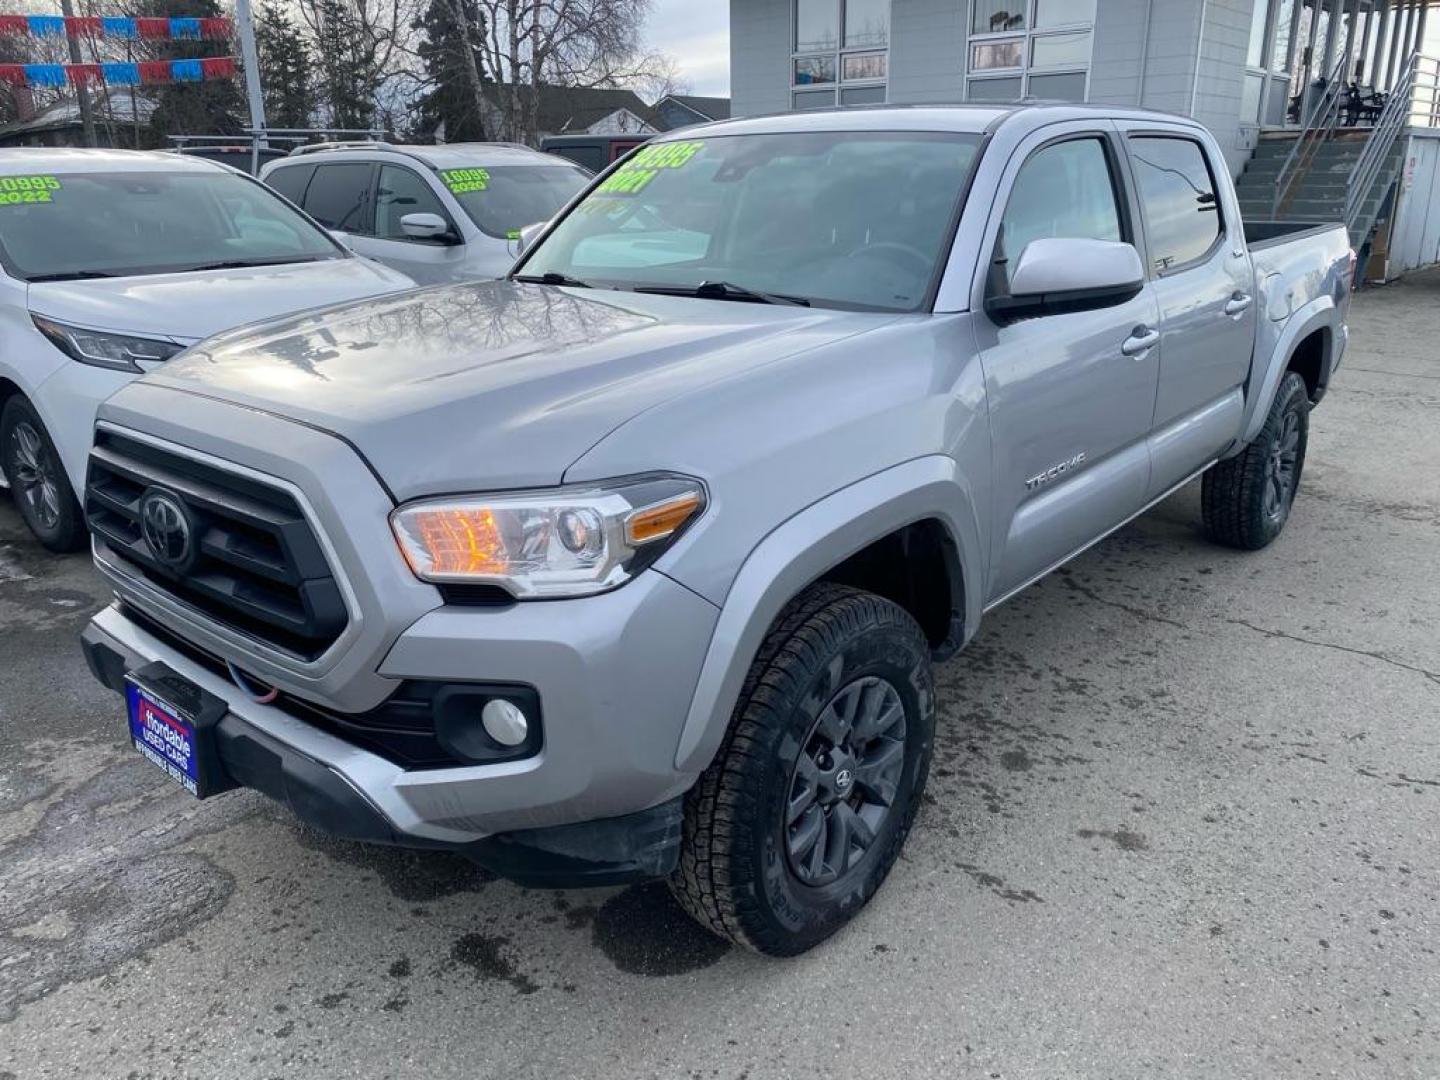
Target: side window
column 336, row 196
column 402, row 192
column 291, row 181
column 1177, row 193
column 1064, row 190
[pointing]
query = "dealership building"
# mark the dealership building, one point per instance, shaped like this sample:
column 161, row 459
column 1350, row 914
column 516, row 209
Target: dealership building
column 1310, row 78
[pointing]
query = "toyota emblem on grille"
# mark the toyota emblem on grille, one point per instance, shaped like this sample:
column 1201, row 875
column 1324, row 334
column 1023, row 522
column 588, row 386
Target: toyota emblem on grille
column 166, row 528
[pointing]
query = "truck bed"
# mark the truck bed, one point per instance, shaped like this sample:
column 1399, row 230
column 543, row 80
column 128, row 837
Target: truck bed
column 1262, row 234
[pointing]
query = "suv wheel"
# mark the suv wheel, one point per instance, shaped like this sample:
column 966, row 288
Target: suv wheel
column 798, row 820
column 1245, row 500
column 38, row 484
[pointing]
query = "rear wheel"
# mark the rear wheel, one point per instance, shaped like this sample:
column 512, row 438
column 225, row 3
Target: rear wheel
column 803, row 812
column 38, row 484
column 1245, row 500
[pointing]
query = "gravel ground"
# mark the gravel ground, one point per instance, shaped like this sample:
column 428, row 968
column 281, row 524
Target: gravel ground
column 1183, row 821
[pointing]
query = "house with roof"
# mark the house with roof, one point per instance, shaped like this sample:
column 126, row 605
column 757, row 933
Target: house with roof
column 682, row 110
column 577, row 110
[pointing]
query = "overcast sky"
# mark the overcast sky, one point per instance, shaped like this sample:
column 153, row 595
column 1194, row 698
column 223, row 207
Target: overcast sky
column 697, row 34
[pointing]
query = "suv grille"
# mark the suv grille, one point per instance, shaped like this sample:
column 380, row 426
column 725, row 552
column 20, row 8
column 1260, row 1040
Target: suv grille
column 248, row 560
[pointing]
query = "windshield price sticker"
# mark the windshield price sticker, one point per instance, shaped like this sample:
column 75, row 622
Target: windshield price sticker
column 648, row 162
column 463, row 181
column 16, row 190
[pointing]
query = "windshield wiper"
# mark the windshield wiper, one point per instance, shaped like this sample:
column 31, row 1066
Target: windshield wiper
column 240, row 264
column 550, row 277
column 724, row 290
column 72, row 275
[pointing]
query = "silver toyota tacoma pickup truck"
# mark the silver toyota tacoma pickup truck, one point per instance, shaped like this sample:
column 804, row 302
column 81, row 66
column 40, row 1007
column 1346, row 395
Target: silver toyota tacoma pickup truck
column 636, row 563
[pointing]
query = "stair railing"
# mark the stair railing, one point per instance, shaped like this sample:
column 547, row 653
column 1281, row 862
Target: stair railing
column 1324, row 117
column 1414, row 102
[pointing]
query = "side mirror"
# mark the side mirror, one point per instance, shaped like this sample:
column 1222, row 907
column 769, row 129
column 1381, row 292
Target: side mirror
column 425, row 227
column 528, row 235
column 1057, row 275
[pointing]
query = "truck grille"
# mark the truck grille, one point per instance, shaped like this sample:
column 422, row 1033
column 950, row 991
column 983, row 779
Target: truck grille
column 247, row 558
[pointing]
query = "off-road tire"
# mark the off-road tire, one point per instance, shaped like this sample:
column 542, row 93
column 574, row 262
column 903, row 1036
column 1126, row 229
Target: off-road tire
column 1233, row 503
column 64, row 531
column 734, row 875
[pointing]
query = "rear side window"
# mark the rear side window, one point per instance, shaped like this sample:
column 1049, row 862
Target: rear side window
column 337, row 196
column 1177, row 193
column 291, row 181
column 1065, row 191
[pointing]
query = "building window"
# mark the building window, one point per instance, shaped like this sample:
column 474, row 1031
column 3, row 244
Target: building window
column 842, row 45
column 1034, row 48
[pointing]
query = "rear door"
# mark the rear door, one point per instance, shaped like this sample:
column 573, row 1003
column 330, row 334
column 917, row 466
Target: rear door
column 1204, row 286
column 339, row 198
column 1070, row 394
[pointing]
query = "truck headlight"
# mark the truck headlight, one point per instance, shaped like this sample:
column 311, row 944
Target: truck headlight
column 571, row 541
column 119, row 352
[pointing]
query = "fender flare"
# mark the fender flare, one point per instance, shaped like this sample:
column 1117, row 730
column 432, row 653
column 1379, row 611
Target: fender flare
column 1319, row 314
column 801, row 550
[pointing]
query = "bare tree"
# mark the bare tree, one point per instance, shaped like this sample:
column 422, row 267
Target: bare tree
column 361, row 47
column 531, row 43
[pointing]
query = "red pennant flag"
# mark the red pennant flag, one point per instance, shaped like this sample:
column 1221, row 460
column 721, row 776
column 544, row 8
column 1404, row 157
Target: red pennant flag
column 83, row 26
column 84, row 74
column 155, row 29
column 155, row 71
column 14, row 24
column 13, row 73
column 218, row 67
column 215, row 29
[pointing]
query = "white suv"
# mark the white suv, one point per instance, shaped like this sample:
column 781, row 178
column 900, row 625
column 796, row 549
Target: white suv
column 439, row 213
column 111, row 262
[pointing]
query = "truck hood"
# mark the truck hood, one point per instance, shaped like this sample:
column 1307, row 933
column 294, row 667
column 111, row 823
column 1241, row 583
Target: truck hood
column 495, row 384
column 191, row 306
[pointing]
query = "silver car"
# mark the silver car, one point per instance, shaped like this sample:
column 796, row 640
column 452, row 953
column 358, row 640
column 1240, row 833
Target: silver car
column 435, row 213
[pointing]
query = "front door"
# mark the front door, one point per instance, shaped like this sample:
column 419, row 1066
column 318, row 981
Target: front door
column 399, row 191
column 1070, row 395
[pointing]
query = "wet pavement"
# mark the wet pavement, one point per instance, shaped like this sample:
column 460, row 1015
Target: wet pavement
column 1184, row 820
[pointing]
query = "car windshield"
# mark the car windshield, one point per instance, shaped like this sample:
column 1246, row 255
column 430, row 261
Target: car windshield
column 842, row 219
column 76, row 225
column 503, row 199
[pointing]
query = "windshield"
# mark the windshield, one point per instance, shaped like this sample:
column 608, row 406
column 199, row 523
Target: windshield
column 503, row 199
column 848, row 219
column 72, row 225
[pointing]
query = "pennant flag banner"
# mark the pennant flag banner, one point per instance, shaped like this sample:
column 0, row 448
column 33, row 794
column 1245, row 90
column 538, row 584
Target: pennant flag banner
column 145, row 72
column 90, row 26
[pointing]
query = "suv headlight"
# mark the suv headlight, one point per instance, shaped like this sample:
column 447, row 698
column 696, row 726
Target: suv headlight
column 573, row 541
column 118, row 352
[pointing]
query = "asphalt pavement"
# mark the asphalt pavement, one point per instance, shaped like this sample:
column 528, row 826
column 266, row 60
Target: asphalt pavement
column 1184, row 821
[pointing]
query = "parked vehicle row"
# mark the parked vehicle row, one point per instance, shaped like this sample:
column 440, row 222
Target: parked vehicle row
column 115, row 261
column 635, row 562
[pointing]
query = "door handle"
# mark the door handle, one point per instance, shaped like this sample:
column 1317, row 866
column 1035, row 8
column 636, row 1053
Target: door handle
column 1141, row 339
column 1238, row 303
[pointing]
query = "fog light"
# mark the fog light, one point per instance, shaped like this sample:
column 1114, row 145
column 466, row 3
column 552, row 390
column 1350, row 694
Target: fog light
column 504, row 722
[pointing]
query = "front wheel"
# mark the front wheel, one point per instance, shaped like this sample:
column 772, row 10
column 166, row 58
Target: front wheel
column 1245, row 500
column 38, row 484
column 799, row 819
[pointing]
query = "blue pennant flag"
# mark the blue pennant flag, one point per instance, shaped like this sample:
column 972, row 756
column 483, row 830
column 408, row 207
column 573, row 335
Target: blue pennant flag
column 185, row 28
column 187, row 71
column 121, row 74
column 118, row 26
column 46, row 26
column 45, row 74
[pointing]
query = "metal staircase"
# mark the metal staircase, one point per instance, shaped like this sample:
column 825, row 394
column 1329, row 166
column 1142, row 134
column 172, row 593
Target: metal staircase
column 1327, row 172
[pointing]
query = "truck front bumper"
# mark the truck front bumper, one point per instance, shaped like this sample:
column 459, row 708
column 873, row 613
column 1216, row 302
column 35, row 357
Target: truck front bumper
column 598, row 803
